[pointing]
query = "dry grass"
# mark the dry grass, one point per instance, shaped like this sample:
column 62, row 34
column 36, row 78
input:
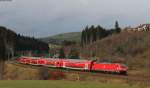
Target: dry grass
column 13, row 72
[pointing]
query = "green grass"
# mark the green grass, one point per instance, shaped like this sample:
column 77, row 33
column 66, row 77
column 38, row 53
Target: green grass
column 71, row 36
column 58, row 84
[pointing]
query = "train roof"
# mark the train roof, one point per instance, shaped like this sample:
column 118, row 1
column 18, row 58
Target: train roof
column 78, row 60
column 70, row 60
column 53, row 59
column 109, row 63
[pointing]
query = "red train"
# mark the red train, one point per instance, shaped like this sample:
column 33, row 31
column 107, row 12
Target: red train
column 85, row 65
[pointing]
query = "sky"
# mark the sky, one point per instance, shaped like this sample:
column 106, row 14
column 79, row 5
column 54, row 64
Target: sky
column 41, row 18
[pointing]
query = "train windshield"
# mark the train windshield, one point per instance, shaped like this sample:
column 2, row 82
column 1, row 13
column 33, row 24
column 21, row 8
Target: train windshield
column 123, row 66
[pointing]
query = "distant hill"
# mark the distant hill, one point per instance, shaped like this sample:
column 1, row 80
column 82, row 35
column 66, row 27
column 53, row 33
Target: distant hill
column 57, row 39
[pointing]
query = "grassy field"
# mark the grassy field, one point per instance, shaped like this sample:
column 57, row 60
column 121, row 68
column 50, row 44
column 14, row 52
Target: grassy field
column 71, row 36
column 59, row 84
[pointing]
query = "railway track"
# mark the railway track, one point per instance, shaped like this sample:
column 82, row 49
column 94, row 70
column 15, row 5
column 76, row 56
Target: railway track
column 94, row 74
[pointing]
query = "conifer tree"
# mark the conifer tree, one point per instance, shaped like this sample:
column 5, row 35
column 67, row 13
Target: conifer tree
column 91, row 34
column 117, row 28
column 82, row 38
column 86, row 35
column 61, row 53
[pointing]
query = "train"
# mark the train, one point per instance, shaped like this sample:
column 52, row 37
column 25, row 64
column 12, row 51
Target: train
column 76, row 64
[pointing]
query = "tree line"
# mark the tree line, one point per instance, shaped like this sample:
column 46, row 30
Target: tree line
column 11, row 42
column 92, row 34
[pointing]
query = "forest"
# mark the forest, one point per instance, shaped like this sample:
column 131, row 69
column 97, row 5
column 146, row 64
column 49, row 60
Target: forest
column 92, row 34
column 11, row 43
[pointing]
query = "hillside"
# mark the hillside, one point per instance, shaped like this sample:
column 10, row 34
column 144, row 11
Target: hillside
column 12, row 43
column 130, row 48
column 72, row 36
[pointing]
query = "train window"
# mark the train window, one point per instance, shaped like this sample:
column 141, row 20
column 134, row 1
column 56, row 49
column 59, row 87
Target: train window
column 123, row 66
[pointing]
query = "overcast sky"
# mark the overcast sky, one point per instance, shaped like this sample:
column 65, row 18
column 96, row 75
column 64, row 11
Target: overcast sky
column 42, row 18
